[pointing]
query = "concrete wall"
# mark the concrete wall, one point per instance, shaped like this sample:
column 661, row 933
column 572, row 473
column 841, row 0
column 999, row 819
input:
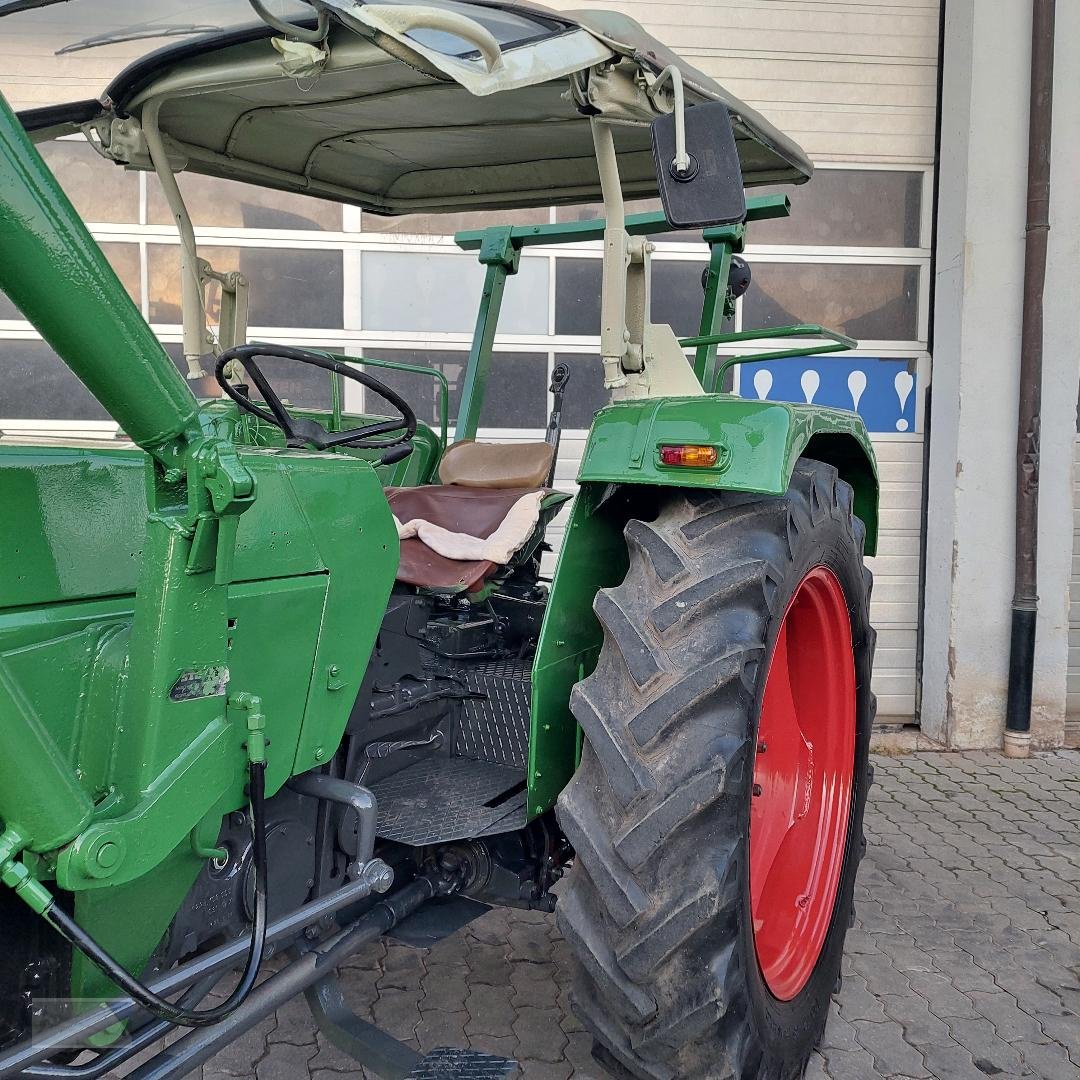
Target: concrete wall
column 980, row 258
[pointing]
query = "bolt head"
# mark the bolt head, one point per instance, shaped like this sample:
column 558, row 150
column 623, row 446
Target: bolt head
column 756, row 790
column 108, row 855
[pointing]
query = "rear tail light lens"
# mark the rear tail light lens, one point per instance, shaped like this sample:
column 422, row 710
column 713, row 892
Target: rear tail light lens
column 689, row 456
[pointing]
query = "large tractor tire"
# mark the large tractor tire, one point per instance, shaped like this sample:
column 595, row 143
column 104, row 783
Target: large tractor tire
column 717, row 813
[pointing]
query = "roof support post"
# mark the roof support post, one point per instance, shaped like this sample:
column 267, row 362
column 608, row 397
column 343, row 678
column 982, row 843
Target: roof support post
column 614, row 336
column 196, row 338
column 501, row 257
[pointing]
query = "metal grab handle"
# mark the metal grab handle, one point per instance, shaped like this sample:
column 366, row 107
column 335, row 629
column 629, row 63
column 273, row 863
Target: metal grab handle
column 404, row 19
column 283, row 26
column 836, row 342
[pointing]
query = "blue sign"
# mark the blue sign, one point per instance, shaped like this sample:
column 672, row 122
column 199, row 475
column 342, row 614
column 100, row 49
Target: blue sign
column 881, row 391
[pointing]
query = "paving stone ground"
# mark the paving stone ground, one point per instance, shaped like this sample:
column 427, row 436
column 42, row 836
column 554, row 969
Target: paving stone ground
column 963, row 964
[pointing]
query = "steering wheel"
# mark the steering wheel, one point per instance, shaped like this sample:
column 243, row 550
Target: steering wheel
column 300, row 431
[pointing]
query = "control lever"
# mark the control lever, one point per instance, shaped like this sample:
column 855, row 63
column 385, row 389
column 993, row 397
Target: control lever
column 560, row 376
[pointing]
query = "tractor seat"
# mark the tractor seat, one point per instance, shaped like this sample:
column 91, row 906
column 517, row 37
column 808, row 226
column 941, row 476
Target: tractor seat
column 481, row 483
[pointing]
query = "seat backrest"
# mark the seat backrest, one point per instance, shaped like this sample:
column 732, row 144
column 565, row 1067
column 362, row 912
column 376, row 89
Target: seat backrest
column 497, row 465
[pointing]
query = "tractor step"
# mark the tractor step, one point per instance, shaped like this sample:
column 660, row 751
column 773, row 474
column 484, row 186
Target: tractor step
column 450, row 1064
column 450, row 798
column 481, row 789
column 494, row 726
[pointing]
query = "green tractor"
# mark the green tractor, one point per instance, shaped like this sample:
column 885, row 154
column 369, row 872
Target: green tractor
column 280, row 681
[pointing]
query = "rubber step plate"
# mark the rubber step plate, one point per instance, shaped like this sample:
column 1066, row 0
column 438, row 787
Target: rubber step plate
column 495, row 726
column 450, row 1064
column 443, row 798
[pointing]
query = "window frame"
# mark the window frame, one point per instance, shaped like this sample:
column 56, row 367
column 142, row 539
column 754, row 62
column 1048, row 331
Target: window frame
column 352, row 241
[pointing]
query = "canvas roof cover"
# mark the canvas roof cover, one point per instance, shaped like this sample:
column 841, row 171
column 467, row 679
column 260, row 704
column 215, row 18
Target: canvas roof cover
column 418, row 107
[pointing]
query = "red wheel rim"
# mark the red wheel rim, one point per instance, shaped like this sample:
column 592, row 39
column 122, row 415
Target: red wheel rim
column 802, row 783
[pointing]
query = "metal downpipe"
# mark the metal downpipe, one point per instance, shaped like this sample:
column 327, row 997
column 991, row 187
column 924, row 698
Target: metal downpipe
column 1025, row 592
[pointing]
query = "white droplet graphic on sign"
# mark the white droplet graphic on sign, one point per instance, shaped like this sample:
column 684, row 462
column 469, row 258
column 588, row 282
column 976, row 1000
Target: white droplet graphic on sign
column 810, row 382
column 904, row 383
column 856, row 384
column 762, row 383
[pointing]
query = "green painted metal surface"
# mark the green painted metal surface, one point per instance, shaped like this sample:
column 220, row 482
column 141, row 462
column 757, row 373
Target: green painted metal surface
column 759, row 208
column 758, row 443
column 593, row 556
column 116, row 665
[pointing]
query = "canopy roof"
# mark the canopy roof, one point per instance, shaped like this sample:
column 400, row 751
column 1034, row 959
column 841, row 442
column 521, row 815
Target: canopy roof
column 441, row 106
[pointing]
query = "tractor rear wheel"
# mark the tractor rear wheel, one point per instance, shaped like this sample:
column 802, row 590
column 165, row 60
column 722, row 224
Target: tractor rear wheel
column 717, row 812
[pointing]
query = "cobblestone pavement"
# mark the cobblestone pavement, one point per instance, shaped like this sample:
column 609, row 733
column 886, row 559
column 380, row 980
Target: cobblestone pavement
column 964, row 961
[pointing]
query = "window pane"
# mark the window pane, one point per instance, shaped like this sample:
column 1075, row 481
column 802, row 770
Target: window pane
column 516, row 389
column 404, row 290
column 871, row 303
column 516, row 395
column 677, row 296
column 847, row 207
column 585, row 393
column 577, row 297
column 98, row 189
column 35, row 384
column 286, row 287
column 296, row 384
column 124, row 259
column 448, row 224
column 230, row 204
column 421, row 392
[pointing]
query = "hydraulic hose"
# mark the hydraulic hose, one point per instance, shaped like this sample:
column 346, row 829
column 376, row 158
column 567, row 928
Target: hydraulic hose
column 138, row 991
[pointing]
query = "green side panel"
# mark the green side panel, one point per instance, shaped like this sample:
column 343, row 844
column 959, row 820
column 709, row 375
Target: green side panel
column 80, row 518
column 104, row 617
column 758, row 443
column 593, row 556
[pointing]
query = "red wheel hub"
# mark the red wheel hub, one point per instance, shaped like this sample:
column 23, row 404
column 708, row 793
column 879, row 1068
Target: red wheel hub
column 802, row 783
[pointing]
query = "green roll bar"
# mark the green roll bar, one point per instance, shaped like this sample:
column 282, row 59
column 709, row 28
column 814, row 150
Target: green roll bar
column 393, row 365
column 500, row 249
column 836, row 342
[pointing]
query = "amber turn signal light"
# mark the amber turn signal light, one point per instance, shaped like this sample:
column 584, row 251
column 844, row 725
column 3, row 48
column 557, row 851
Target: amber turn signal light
column 694, row 457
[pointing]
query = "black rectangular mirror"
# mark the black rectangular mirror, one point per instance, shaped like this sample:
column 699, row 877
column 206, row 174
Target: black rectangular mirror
column 710, row 191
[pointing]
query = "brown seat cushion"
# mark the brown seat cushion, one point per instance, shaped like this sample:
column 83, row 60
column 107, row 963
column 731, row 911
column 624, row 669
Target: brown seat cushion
column 475, row 511
column 497, row 465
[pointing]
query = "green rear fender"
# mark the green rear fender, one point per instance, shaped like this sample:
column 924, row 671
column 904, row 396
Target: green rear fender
column 622, row 476
column 757, row 443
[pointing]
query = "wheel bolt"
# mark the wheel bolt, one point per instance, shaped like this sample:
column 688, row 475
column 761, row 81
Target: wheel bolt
column 756, row 790
column 762, row 747
column 803, row 902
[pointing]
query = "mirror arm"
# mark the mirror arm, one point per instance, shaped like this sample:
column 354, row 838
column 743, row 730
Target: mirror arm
column 673, row 75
